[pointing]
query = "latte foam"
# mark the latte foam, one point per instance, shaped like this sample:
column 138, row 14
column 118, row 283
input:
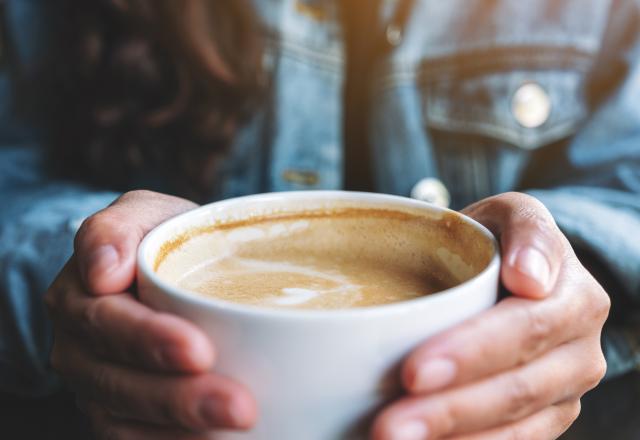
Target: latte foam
column 315, row 260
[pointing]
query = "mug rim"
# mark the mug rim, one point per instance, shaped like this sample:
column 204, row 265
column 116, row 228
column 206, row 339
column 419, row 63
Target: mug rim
column 454, row 293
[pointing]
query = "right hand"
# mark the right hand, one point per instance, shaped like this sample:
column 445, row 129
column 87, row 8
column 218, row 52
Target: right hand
column 137, row 373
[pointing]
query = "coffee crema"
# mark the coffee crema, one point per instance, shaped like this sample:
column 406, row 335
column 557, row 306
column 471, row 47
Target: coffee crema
column 319, row 259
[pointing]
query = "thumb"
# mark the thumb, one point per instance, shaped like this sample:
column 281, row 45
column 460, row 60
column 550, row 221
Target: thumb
column 106, row 243
column 533, row 248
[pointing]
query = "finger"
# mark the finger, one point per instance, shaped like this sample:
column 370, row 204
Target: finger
column 565, row 373
column 513, row 332
column 107, row 241
column 548, row 424
column 192, row 402
column 108, row 427
column 533, row 248
column 124, row 330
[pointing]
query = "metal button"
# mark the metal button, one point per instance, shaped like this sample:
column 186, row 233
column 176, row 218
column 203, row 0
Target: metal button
column 311, row 9
column 531, row 105
column 394, row 34
column 433, row 191
column 301, row 177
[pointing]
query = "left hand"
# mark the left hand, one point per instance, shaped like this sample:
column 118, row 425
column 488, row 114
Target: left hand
column 519, row 369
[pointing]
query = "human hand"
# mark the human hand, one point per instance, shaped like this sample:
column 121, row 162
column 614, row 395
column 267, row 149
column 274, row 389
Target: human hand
column 138, row 374
column 519, row 369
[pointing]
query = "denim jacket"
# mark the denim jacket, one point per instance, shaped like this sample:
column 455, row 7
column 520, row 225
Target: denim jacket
column 477, row 97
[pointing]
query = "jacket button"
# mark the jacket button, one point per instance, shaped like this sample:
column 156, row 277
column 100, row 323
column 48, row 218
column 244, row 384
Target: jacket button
column 431, row 190
column 301, row 177
column 311, row 9
column 531, row 105
column 394, row 35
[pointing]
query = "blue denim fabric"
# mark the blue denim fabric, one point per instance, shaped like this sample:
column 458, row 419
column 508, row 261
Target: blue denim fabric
column 38, row 221
column 441, row 98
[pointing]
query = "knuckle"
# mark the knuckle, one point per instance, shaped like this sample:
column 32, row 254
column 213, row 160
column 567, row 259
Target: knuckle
column 602, row 367
column 527, row 206
column 539, row 328
column 596, row 372
column 89, row 224
column 449, row 419
column 521, row 395
column 56, row 293
column 135, row 195
column 565, row 414
column 98, row 222
column 573, row 411
column 605, row 305
column 539, row 223
column 519, row 204
column 95, row 311
column 516, row 432
column 601, row 304
column 90, row 315
column 442, row 415
column 107, row 218
column 514, row 196
column 533, row 212
column 93, row 225
column 50, row 300
column 103, row 384
column 94, row 316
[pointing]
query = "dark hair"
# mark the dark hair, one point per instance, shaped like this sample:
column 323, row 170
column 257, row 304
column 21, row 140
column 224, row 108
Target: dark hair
column 159, row 83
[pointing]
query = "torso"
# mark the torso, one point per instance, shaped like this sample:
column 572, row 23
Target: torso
column 441, row 95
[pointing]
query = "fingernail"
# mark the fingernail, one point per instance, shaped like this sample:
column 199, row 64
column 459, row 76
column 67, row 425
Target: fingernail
column 435, row 374
column 214, row 412
column 103, row 260
column 531, row 262
column 410, row 430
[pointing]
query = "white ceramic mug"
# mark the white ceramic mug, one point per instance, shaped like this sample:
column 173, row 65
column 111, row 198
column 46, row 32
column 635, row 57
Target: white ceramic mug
column 316, row 374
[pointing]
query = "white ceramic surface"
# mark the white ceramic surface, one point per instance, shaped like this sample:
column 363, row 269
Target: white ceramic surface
column 317, row 375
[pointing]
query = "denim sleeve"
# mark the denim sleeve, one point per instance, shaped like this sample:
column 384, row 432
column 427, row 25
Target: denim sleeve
column 595, row 190
column 38, row 221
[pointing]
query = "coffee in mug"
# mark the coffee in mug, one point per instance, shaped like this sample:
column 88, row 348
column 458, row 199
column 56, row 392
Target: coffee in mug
column 322, row 259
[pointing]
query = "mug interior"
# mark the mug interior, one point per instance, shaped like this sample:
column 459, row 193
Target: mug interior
column 452, row 248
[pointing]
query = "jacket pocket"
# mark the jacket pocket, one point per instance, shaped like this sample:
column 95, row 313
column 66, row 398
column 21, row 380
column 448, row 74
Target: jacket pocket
column 519, row 97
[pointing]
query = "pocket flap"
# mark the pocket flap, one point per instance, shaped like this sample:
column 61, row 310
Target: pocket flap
column 527, row 98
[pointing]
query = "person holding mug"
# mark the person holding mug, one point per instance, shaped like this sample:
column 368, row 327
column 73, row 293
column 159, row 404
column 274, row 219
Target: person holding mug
column 521, row 115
